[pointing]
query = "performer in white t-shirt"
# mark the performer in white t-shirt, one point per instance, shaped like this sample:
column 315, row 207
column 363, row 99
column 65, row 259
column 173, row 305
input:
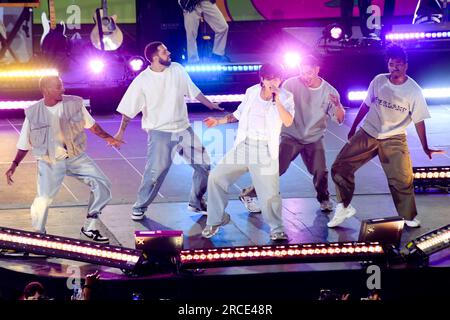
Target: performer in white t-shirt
column 158, row 93
column 263, row 111
column 394, row 100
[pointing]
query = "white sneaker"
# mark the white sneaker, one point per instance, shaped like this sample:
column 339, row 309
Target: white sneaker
column 414, row 223
column 211, row 231
column 350, row 211
column 136, row 216
column 340, row 214
column 279, row 236
column 326, row 205
column 251, row 204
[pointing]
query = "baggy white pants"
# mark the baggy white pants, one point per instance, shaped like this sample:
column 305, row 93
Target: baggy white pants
column 216, row 21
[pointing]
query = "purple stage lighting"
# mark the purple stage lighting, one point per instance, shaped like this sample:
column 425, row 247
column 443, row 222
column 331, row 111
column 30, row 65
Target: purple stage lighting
column 357, row 95
column 292, row 59
column 23, row 104
column 417, row 35
column 428, row 93
column 136, row 64
column 96, row 65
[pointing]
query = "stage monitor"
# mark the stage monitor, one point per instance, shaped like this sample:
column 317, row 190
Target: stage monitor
column 159, row 243
column 387, row 231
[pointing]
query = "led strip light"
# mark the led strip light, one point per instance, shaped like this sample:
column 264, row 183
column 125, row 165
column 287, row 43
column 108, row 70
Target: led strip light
column 68, row 248
column 281, row 253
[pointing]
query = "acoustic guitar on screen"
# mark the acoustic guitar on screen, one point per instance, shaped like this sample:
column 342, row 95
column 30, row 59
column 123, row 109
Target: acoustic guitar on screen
column 106, row 35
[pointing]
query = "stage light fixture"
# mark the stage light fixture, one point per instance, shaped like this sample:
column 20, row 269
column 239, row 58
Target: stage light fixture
column 71, row 249
column 333, row 32
column 219, row 98
column 421, row 248
column 431, row 177
column 23, row 104
column 136, row 63
column 357, row 95
column 436, row 92
column 273, row 254
column 208, row 68
column 292, row 59
column 97, row 65
column 21, row 74
column 428, row 93
column 393, row 36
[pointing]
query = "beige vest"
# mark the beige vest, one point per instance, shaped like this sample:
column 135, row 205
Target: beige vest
column 72, row 128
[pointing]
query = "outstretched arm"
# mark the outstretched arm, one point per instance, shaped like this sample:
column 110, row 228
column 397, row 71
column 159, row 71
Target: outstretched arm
column 10, row 172
column 98, row 131
column 421, row 132
column 361, row 114
column 122, row 128
column 212, row 122
column 205, row 101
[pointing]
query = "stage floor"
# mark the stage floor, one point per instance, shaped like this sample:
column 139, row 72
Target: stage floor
column 304, row 222
column 303, row 219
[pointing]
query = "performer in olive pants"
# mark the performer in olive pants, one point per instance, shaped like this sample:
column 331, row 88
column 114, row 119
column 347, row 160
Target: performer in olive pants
column 394, row 158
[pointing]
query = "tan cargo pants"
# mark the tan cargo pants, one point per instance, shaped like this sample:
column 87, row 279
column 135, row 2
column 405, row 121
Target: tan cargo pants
column 396, row 162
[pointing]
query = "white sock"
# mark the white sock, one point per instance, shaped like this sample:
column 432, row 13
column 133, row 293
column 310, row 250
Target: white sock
column 90, row 224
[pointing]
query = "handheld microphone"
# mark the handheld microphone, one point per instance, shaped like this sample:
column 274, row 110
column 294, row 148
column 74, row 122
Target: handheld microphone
column 273, row 96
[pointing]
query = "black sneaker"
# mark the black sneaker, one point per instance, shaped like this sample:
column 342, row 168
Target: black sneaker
column 95, row 235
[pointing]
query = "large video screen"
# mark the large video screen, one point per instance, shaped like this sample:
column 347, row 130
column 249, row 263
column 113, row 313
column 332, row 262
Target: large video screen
column 253, row 10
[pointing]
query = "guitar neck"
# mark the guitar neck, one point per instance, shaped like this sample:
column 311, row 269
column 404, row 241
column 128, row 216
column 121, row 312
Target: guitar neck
column 105, row 8
column 52, row 13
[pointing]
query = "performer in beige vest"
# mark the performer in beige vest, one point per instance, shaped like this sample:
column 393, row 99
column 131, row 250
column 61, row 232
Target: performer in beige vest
column 54, row 132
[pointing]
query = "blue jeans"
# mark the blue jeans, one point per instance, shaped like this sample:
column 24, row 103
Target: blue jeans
column 49, row 181
column 162, row 147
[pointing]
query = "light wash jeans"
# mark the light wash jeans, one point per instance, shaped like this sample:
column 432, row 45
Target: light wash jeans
column 49, row 181
column 162, row 147
column 253, row 156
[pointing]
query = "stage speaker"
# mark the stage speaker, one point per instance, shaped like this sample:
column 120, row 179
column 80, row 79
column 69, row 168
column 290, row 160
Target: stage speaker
column 387, row 231
column 161, row 20
column 160, row 244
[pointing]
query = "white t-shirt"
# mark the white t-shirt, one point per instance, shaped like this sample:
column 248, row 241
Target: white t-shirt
column 55, row 112
column 160, row 98
column 256, row 128
column 393, row 107
column 273, row 121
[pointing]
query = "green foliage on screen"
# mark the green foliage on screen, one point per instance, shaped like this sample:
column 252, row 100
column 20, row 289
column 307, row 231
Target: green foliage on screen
column 124, row 9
